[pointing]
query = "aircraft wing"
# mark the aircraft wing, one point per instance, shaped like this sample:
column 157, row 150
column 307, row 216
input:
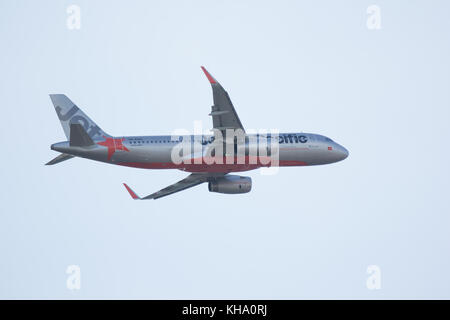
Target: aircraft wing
column 188, row 182
column 223, row 114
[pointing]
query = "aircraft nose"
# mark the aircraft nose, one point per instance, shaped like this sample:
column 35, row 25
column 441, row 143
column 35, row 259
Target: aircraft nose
column 343, row 153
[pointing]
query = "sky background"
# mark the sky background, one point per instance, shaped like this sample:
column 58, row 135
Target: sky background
column 306, row 232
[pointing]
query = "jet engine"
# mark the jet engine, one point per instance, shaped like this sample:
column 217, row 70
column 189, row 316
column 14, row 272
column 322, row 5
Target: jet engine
column 230, row 184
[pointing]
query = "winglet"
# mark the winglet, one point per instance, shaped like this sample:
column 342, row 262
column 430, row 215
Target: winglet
column 210, row 77
column 131, row 192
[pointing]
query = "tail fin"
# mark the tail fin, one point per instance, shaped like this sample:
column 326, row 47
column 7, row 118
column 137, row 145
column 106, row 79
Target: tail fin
column 69, row 113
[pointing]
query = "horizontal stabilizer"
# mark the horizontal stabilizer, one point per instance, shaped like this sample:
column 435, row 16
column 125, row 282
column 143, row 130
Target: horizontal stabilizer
column 62, row 157
column 79, row 136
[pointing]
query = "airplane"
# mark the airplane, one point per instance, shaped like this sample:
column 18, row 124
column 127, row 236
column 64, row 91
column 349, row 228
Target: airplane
column 235, row 152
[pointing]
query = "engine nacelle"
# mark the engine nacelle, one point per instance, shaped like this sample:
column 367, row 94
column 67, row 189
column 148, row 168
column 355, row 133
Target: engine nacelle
column 230, row 184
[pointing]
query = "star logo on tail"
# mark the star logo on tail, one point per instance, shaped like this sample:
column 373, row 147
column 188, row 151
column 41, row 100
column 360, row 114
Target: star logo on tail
column 113, row 145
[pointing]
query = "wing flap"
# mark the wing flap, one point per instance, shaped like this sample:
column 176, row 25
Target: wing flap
column 176, row 187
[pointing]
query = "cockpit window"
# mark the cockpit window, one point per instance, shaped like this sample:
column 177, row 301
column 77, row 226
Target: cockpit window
column 328, row 139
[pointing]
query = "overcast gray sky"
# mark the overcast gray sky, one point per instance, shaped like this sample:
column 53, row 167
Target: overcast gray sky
column 306, row 232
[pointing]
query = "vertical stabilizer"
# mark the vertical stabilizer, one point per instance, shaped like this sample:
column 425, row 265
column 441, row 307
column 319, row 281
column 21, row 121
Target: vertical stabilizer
column 68, row 113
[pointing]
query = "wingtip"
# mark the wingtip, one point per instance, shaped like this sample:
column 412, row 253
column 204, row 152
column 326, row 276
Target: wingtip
column 208, row 75
column 131, row 192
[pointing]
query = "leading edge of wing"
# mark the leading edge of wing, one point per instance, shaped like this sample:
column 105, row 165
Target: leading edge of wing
column 190, row 181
